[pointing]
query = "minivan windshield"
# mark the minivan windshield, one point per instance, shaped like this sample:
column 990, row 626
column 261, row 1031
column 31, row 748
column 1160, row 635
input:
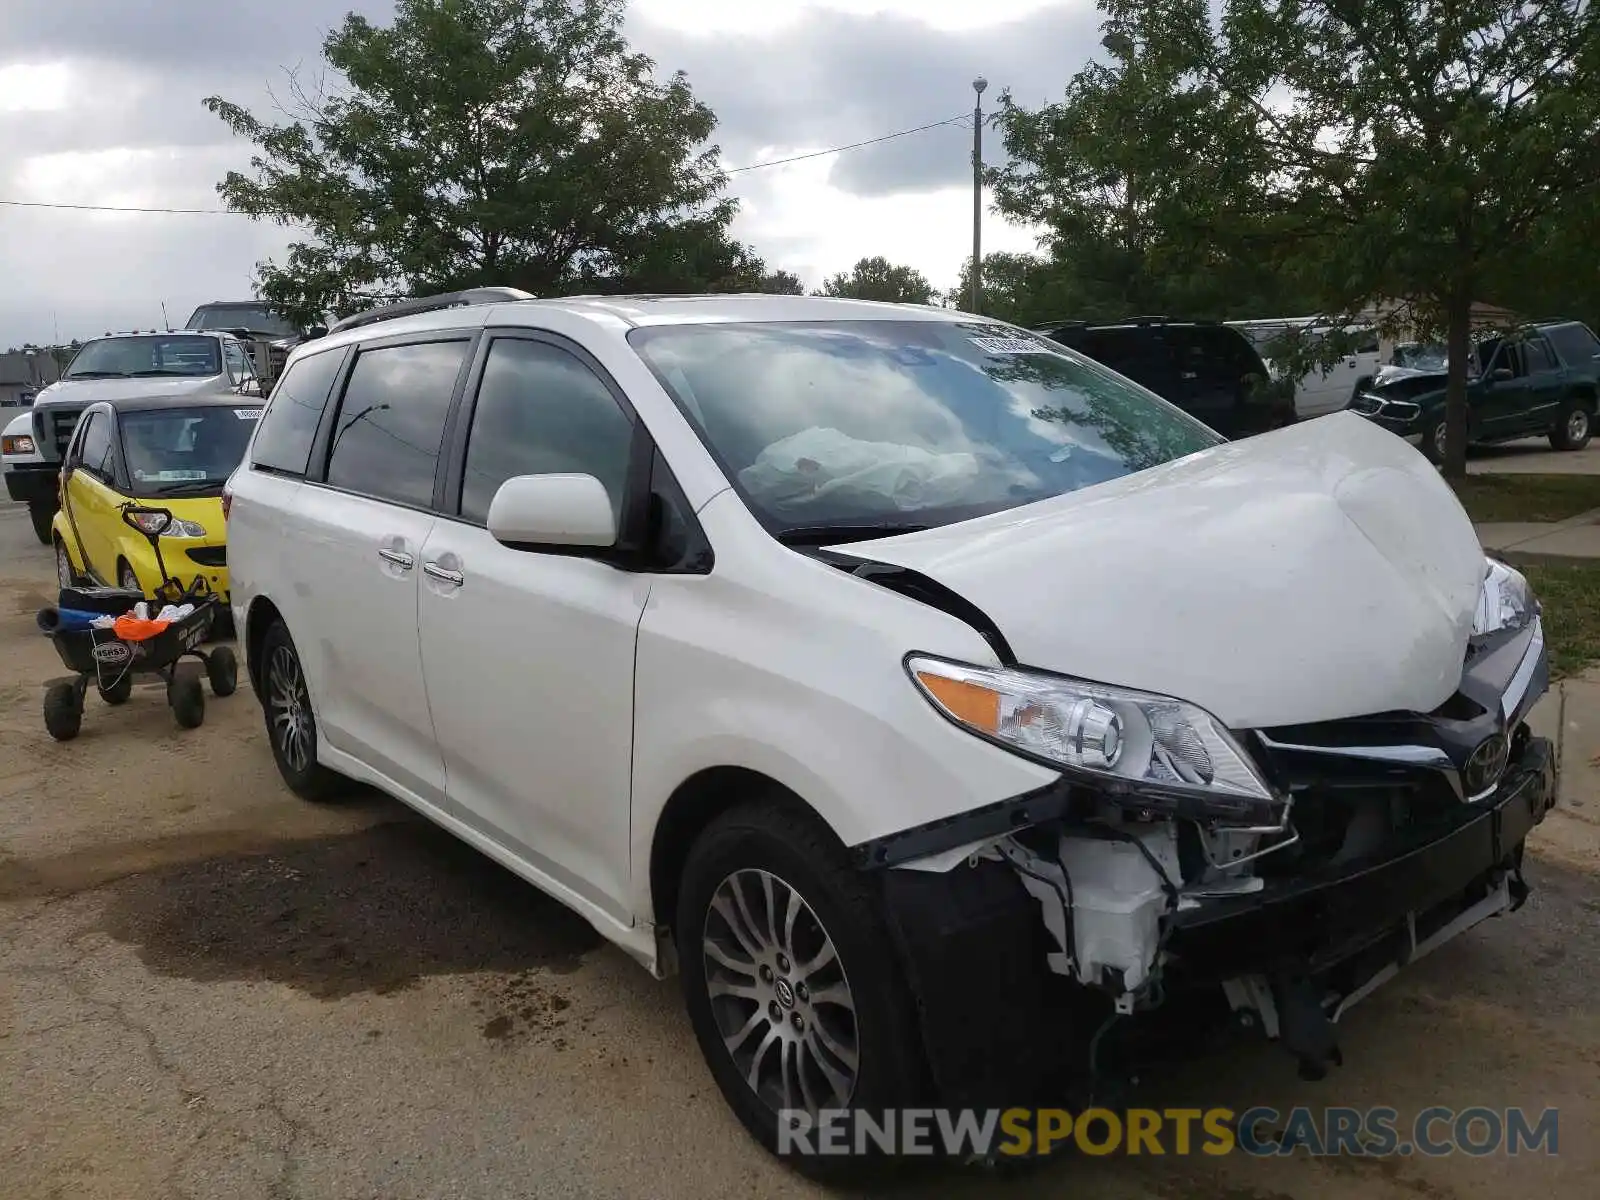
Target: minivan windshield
column 187, row 450
column 859, row 428
column 152, row 355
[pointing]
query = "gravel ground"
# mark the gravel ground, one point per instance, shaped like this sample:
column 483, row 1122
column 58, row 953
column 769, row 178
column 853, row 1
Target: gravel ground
column 210, row 989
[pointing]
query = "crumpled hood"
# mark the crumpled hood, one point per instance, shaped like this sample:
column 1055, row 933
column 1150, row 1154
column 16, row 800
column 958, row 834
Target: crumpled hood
column 91, row 391
column 1317, row 572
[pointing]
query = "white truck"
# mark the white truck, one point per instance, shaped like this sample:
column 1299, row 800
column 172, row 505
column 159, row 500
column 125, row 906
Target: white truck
column 1318, row 392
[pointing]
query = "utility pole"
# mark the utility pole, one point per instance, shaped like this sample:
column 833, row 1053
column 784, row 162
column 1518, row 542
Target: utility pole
column 978, row 86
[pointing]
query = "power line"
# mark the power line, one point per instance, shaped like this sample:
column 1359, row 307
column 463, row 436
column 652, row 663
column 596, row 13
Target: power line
column 228, row 212
column 778, row 162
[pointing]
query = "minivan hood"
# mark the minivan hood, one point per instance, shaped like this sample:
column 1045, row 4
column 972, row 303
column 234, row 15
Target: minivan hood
column 1319, row 571
column 91, row 391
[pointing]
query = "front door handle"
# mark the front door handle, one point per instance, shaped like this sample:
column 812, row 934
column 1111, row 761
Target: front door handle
column 442, row 574
column 399, row 558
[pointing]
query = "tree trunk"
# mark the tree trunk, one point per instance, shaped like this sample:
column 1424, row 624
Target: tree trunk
column 1458, row 343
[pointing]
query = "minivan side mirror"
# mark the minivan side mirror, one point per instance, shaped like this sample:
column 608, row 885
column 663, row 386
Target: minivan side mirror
column 552, row 510
column 316, row 331
column 1501, row 375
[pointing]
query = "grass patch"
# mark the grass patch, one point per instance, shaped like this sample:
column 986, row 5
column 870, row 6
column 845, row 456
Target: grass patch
column 1570, row 593
column 1527, row 497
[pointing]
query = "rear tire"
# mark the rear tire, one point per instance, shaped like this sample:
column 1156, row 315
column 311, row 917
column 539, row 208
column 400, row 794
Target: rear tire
column 1573, row 428
column 791, row 977
column 222, row 669
column 291, row 721
column 41, row 515
column 118, row 692
column 188, row 701
column 63, row 712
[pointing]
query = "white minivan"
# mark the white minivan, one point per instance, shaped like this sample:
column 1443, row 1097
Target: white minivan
column 930, row 698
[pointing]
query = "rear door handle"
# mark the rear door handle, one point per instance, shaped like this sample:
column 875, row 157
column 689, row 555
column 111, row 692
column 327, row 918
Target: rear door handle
column 442, row 574
column 399, row 558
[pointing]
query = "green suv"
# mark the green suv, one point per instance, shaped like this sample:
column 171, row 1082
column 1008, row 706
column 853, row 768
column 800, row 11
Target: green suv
column 1540, row 379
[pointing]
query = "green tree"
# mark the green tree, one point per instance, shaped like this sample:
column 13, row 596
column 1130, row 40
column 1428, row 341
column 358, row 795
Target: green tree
column 878, row 279
column 782, row 283
column 1380, row 150
column 471, row 142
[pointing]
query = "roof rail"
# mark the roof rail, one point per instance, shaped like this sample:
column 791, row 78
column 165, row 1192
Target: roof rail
column 1063, row 323
column 422, row 304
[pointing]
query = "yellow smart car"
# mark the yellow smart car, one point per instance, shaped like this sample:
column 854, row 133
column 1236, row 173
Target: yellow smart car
column 171, row 452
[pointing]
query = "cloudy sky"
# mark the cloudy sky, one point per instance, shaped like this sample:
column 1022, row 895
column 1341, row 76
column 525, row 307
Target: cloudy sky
column 100, row 104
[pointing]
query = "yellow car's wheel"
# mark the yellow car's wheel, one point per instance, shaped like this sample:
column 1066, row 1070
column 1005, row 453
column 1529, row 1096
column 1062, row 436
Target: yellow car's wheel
column 66, row 573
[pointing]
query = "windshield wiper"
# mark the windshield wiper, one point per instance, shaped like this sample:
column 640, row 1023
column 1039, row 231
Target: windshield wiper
column 159, row 371
column 93, row 375
column 192, row 488
column 822, row 535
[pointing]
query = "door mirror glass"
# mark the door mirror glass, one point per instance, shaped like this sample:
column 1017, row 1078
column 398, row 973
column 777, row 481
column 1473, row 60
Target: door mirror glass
column 315, row 332
column 1501, row 375
column 552, row 510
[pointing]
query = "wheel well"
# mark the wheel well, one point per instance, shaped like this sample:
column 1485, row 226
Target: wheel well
column 698, row 801
column 262, row 615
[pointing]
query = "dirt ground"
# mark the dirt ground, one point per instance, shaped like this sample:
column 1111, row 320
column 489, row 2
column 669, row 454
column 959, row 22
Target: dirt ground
column 208, row 989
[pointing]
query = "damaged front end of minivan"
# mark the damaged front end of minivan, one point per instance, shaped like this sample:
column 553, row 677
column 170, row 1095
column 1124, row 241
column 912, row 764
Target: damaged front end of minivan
column 1290, row 870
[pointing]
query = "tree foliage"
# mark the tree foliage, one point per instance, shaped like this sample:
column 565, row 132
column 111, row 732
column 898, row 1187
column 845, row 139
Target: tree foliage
column 877, row 278
column 470, row 142
column 1362, row 151
column 782, row 283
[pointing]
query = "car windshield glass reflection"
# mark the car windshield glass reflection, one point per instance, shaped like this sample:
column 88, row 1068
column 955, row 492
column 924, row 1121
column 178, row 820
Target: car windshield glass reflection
column 169, row 451
column 887, row 425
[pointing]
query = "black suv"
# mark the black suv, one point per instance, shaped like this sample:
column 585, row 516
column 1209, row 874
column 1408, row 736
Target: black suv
column 1211, row 371
column 1539, row 380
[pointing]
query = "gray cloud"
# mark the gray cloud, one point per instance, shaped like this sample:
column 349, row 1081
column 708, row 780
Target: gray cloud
column 142, row 71
column 839, row 78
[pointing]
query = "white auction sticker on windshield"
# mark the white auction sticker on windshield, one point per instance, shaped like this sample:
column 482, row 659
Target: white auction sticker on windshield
column 1006, row 345
column 171, row 476
column 247, row 414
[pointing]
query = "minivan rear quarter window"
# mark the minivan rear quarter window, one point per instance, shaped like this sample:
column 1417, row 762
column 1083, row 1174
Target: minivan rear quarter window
column 390, row 425
column 290, row 423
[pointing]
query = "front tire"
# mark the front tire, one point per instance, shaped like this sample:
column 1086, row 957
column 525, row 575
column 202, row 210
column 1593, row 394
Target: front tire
column 1433, row 439
column 42, row 515
column 127, row 580
column 63, row 711
column 66, row 573
column 1573, row 428
column 291, row 722
column 791, row 979
column 118, row 692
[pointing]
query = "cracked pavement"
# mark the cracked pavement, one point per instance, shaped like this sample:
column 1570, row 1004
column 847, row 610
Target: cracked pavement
column 209, row 989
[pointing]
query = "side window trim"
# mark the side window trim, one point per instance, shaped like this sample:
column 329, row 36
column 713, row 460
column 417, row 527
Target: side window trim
column 636, row 501
column 322, row 445
column 450, row 501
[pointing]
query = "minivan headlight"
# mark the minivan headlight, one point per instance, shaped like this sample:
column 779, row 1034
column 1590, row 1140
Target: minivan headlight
column 1139, row 743
column 1505, row 600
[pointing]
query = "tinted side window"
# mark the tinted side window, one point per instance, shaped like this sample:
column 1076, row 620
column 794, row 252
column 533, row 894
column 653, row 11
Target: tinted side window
column 391, row 421
column 96, row 453
column 541, row 410
column 1536, row 352
column 290, row 423
column 1575, row 344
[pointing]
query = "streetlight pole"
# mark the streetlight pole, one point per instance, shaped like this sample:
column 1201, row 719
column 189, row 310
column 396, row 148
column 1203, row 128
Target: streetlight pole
column 978, row 85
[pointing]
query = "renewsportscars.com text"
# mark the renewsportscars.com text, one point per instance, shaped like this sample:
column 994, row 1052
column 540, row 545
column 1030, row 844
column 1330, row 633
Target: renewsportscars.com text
column 1259, row 1132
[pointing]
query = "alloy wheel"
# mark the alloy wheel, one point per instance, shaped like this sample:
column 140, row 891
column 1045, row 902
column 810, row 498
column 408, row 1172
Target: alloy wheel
column 779, row 995
column 1577, row 425
column 289, row 705
column 63, row 566
column 1440, row 437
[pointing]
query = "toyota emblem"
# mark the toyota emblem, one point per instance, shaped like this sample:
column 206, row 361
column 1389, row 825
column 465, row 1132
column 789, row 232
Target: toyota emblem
column 1487, row 764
